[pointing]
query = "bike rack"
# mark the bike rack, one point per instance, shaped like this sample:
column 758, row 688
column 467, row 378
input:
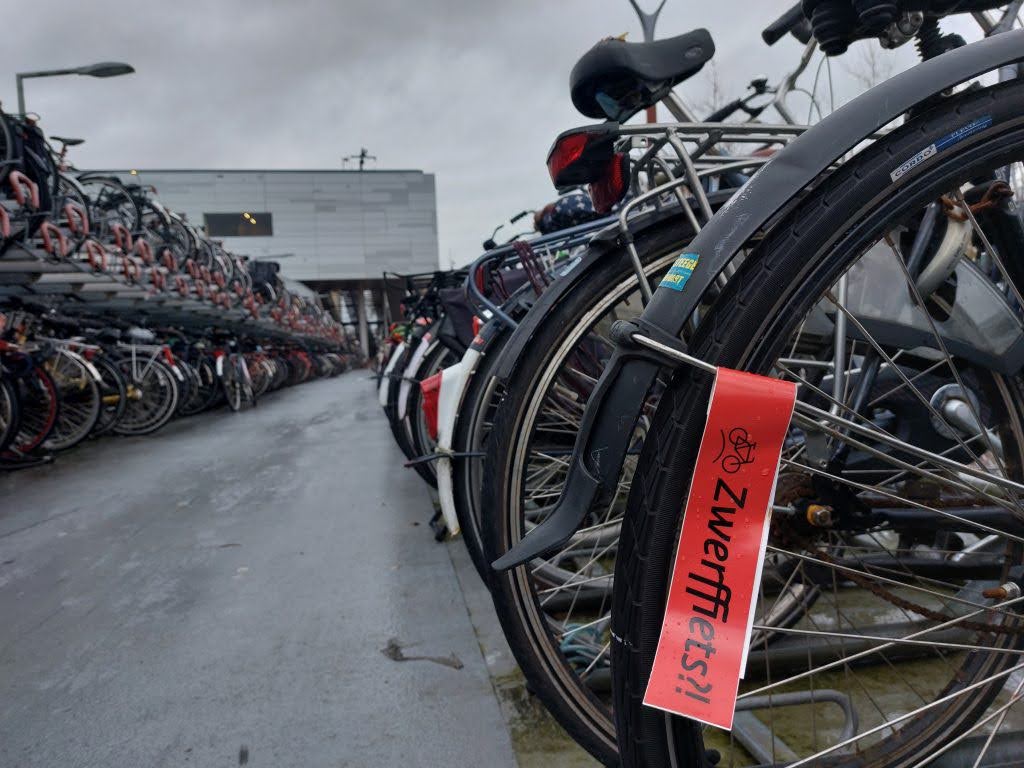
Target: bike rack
column 757, row 738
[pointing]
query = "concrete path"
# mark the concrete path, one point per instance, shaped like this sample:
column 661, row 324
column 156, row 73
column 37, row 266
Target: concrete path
column 237, row 590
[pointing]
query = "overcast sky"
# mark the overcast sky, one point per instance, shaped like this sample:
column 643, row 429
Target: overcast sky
column 473, row 91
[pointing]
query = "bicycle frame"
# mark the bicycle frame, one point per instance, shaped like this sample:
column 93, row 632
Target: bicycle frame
column 153, row 351
column 564, row 239
column 75, row 348
column 644, row 346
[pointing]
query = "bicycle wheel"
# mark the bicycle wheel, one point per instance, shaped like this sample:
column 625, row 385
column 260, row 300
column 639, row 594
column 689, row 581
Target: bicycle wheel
column 152, row 395
column 80, row 400
column 69, row 191
column 39, row 408
column 113, row 394
column 207, row 390
column 9, row 414
column 555, row 611
column 233, row 384
column 6, row 147
column 248, row 389
column 280, row 374
column 832, row 300
column 111, row 204
column 398, row 430
column 473, row 426
column 188, row 385
column 262, row 372
column 416, row 421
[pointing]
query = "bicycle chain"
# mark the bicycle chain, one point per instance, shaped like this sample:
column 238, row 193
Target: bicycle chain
column 900, row 602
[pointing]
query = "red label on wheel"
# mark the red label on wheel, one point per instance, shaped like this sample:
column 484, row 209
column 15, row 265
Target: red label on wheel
column 702, row 651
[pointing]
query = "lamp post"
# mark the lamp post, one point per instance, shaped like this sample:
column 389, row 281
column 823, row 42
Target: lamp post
column 103, row 69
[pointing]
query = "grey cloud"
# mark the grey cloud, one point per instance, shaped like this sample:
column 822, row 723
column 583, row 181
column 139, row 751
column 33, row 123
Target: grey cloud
column 472, row 91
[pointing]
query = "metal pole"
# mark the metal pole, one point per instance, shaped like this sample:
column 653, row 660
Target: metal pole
column 104, row 69
column 22, row 76
column 647, row 24
column 364, row 335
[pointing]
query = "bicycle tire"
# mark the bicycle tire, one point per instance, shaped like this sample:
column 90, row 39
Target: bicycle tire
column 472, row 430
column 398, row 430
column 210, row 391
column 232, row 383
column 113, row 395
column 9, row 413
column 79, row 397
column 39, row 408
column 156, row 401
column 188, row 384
column 415, row 420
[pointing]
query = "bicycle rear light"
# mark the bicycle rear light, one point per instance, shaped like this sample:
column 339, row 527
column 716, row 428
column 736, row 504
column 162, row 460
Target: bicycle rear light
column 581, row 155
column 431, row 390
column 610, row 188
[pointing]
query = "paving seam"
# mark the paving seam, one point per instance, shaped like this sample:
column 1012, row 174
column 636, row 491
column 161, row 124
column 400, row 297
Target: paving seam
column 479, row 644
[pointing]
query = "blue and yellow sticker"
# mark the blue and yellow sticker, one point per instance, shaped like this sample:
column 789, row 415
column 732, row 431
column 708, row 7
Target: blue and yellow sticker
column 679, row 275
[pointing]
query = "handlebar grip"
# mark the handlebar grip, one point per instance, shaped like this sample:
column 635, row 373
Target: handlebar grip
column 783, row 25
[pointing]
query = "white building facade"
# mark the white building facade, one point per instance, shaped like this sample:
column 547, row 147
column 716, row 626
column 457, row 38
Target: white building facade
column 325, row 225
column 335, row 230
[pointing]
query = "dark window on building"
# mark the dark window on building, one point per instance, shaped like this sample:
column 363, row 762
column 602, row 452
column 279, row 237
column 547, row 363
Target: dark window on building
column 246, row 224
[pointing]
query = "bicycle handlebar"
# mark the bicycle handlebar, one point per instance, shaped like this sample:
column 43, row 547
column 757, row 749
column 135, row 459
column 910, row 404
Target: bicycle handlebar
column 783, row 25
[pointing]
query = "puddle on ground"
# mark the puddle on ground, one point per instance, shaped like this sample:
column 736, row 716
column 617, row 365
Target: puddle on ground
column 538, row 741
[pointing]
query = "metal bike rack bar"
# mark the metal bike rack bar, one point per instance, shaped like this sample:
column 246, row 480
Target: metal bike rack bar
column 757, row 738
column 790, row 654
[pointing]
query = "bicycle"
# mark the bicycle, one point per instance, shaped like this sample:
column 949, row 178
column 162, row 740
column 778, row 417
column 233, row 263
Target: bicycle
column 555, row 611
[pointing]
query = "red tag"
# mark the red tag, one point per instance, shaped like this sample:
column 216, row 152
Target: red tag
column 702, row 651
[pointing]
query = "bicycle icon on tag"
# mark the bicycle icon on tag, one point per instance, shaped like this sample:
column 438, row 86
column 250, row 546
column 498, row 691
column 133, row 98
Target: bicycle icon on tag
column 737, row 450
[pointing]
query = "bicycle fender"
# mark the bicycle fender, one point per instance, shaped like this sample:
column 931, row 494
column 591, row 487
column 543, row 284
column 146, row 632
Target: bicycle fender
column 411, row 374
column 93, row 371
column 454, row 383
column 612, row 411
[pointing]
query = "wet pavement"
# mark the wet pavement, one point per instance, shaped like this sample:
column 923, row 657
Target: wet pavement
column 255, row 589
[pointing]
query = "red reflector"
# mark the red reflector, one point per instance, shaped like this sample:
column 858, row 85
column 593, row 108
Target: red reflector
column 566, row 151
column 612, row 186
column 477, row 325
column 431, row 390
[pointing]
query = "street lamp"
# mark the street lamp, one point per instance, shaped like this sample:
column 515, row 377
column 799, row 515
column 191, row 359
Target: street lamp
column 103, row 69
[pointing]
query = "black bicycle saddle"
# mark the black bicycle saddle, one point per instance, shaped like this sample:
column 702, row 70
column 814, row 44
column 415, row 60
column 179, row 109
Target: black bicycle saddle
column 616, row 79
